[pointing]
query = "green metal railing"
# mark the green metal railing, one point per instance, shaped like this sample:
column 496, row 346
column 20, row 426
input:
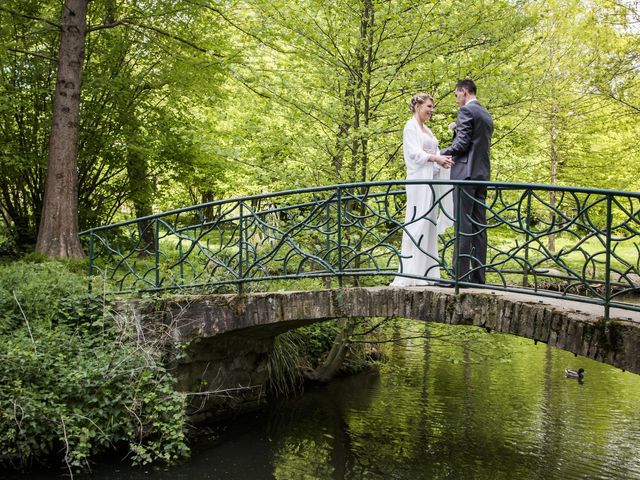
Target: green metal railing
column 352, row 233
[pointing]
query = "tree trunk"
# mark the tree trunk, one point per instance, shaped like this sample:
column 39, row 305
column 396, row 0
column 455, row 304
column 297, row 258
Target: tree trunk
column 338, row 352
column 141, row 191
column 552, row 193
column 58, row 232
column 368, row 20
column 362, row 107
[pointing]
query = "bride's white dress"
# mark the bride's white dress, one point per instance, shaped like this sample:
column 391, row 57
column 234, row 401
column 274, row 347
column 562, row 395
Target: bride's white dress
column 424, row 218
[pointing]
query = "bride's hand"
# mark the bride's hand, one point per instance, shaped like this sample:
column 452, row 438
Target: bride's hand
column 444, row 161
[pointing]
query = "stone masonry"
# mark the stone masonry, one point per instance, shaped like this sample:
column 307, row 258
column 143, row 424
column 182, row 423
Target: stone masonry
column 227, row 338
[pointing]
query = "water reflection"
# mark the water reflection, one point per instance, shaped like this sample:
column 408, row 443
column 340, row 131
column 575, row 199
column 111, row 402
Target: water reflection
column 492, row 406
column 481, row 406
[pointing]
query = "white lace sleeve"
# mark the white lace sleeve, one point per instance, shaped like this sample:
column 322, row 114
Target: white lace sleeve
column 413, row 151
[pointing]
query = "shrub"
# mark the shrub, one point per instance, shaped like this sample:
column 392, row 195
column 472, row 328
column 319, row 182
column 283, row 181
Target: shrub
column 35, row 291
column 73, row 382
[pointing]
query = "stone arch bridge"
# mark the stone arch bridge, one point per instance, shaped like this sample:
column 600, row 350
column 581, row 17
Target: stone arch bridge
column 228, row 337
column 562, row 267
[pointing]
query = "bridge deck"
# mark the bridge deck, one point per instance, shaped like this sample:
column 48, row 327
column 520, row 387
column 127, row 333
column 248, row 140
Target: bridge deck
column 590, row 309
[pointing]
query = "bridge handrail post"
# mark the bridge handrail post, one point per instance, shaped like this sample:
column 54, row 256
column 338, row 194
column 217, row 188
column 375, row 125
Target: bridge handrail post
column 240, row 249
column 527, row 238
column 327, row 207
column 180, row 253
column 91, row 254
column 339, row 234
column 156, row 249
column 456, row 248
column 607, row 278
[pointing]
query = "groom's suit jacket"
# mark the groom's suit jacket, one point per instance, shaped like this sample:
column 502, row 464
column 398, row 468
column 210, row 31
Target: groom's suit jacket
column 471, row 144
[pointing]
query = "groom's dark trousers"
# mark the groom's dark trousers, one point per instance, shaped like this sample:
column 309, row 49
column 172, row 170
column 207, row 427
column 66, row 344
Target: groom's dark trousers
column 471, row 233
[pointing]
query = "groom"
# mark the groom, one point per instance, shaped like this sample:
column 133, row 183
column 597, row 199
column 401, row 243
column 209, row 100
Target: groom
column 470, row 152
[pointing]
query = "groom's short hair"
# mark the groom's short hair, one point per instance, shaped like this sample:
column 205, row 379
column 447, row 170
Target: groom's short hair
column 467, row 84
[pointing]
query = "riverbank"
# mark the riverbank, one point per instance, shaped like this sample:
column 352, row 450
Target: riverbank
column 77, row 381
column 81, row 380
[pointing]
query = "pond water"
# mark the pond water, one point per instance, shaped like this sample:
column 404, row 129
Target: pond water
column 471, row 405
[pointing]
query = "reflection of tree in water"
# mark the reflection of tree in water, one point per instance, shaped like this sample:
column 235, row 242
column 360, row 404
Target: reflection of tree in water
column 438, row 420
column 312, row 430
column 549, row 446
column 454, row 403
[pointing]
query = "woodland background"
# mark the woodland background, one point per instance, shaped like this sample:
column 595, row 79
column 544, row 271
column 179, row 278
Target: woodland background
column 187, row 101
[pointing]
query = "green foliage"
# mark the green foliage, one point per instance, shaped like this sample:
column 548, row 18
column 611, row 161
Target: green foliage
column 38, row 292
column 189, row 102
column 75, row 379
column 317, row 340
column 284, row 364
column 8, row 247
column 138, row 86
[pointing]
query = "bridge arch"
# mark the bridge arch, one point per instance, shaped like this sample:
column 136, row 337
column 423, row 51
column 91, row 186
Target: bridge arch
column 571, row 326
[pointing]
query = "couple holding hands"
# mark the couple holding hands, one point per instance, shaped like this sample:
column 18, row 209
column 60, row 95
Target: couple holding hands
column 430, row 208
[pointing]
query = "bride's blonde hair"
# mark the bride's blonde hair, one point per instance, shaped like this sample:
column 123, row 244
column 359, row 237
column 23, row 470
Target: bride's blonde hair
column 418, row 99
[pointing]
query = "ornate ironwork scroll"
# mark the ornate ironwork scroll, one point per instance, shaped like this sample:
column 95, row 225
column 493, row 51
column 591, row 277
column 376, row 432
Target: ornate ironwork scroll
column 554, row 241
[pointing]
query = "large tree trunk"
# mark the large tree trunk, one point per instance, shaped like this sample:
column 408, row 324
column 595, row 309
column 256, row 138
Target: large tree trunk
column 58, row 233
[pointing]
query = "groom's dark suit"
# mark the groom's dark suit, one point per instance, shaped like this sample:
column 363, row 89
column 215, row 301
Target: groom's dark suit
column 470, row 152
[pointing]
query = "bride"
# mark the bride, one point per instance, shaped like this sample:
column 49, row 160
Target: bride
column 419, row 251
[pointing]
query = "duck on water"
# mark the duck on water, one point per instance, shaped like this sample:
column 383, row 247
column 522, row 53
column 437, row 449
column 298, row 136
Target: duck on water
column 579, row 374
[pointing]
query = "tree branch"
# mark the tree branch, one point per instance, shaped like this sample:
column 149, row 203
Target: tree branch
column 31, row 17
column 235, row 25
column 170, row 35
column 104, row 26
column 372, row 329
column 633, row 107
column 164, row 33
column 33, row 54
column 400, row 339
